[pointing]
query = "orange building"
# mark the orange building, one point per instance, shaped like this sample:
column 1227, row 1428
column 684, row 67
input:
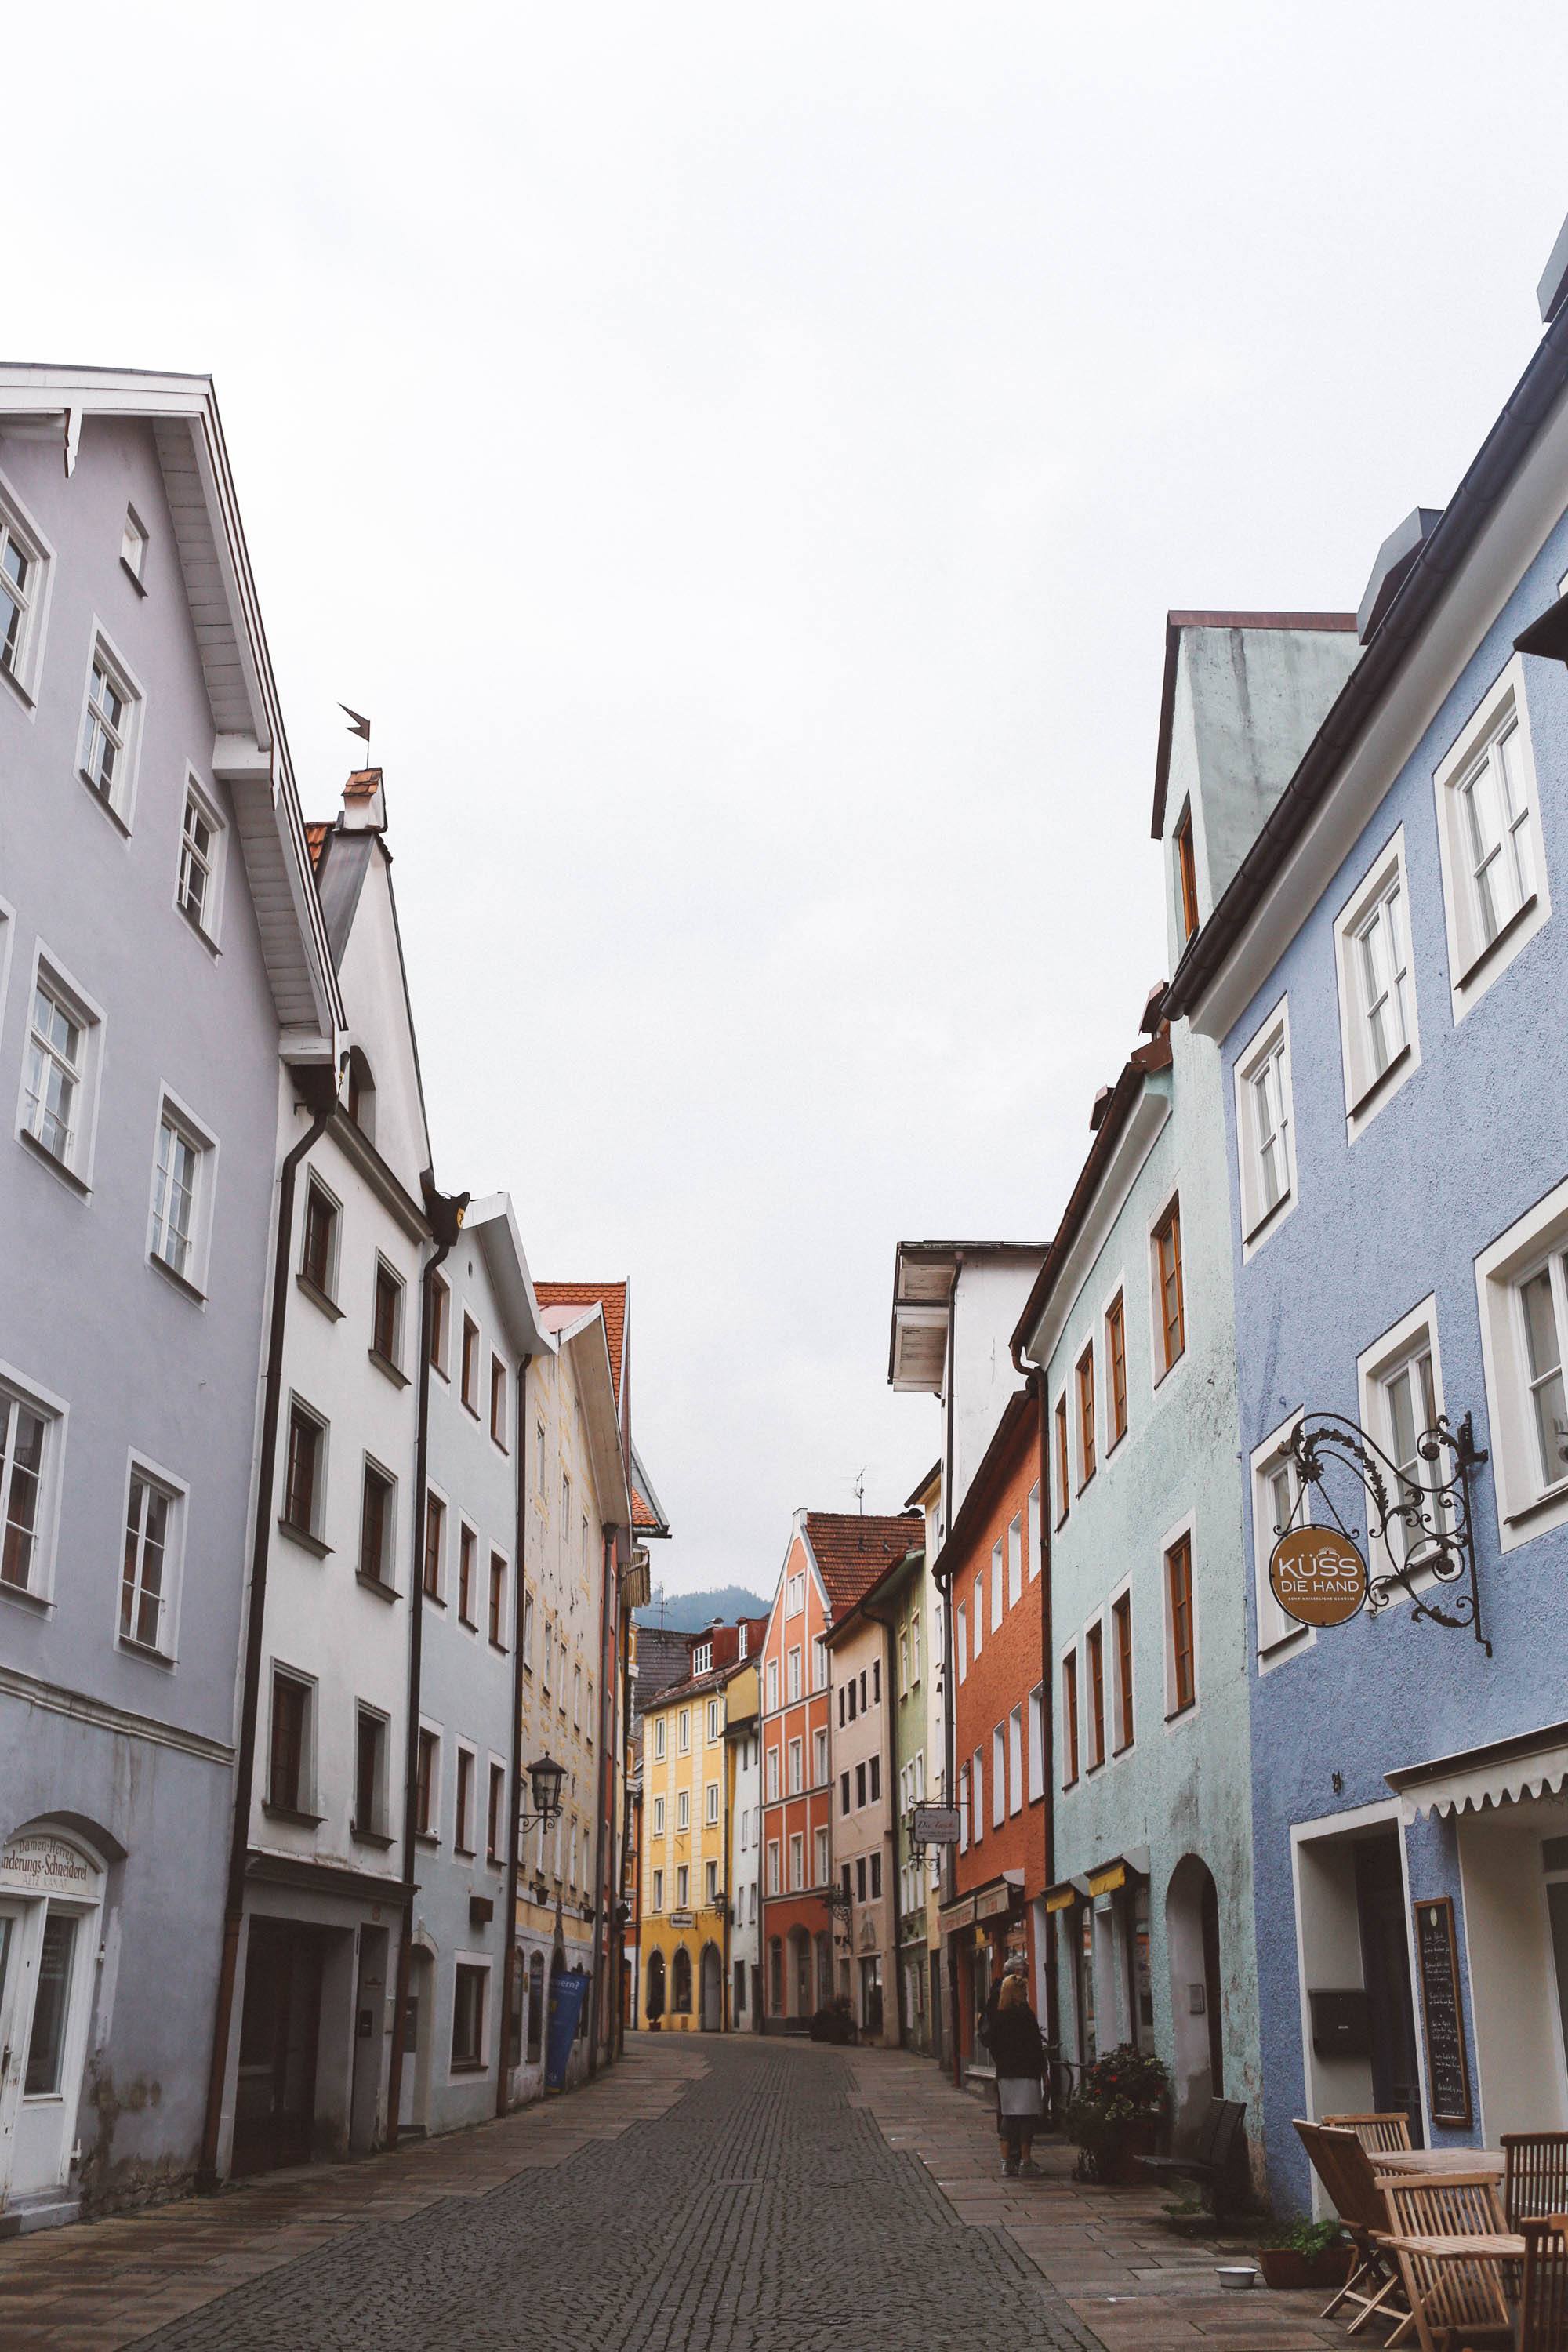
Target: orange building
column 990, row 1567
column 833, row 1558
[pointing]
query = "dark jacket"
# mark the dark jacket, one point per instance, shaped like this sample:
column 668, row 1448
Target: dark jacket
column 1015, row 2042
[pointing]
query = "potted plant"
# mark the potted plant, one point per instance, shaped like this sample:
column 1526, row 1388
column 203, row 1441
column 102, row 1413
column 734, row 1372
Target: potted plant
column 1305, row 2253
column 1110, row 2117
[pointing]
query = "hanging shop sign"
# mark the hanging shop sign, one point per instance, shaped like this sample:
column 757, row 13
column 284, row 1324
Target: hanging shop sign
column 1061, row 1898
column 1107, row 1881
column 934, row 1825
column 1442, row 2015
column 1318, row 1576
column 995, row 1903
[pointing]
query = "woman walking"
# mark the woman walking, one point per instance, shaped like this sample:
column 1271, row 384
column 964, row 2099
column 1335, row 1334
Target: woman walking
column 1019, row 2057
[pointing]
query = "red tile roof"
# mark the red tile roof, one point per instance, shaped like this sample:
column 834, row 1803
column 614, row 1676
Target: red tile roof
column 644, row 1516
column 611, row 1297
column 852, row 1548
column 316, row 841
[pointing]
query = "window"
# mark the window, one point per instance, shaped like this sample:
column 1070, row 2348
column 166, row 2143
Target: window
column 289, row 1767
column 659, row 1817
column 1116, row 1368
column 798, row 1862
column 844, row 1792
column 915, row 1626
column 683, row 1731
column 498, row 1401
column 977, row 1815
column 822, row 1859
column 658, row 1740
column 1187, row 874
column 576, row 1697
column 468, row 1985
column 1121, row 1648
column 876, row 1877
column 528, row 1635
column 1276, row 1499
column 1084, row 1376
column 498, row 1600
column 468, row 1545
column 302, row 1471
column 1169, row 1314
column 146, row 1572
column 1036, row 1742
column 133, row 546
column 962, row 1642
column 818, row 1758
column 658, row 1890
column 197, row 886
column 859, row 1784
column 469, row 1384
column 773, row 1686
column 853, row 1689
column 24, row 572
column 1015, row 1561
column 1495, row 894
column 1543, row 1319
column 792, row 1674
column 375, row 1526
column 1523, row 1282
column 743, row 1632
column 1377, row 994
column 797, row 1767
column 773, row 1775
column 386, row 1332
column 1016, row 1759
column 703, row 1658
column 794, row 1594
column 903, row 1661
column 54, row 1088
column 106, row 760
column 1263, row 1125
column 1069, row 1720
column 997, row 1585
column 682, row 1886
column 174, row 1236
column 1063, row 1480
column 495, row 1814
column 711, row 1884
column 369, row 1773
column 818, row 1663
column 539, row 1459
column 435, row 1545
column 859, row 1878
column 774, row 1866
column 964, row 1809
column 712, row 1794
column 463, row 1830
column 550, row 1660
column 998, row 1776
column 1183, row 1688
column 1094, row 1659
column 440, row 1322
column 1402, row 1397
column 979, row 1599
column 683, row 1808
column 427, row 1781
column 876, row 1767
column 318, row 1257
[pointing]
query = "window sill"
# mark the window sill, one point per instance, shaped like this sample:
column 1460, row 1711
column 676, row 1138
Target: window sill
column 328, row 1307
column 465, row 1852
column 378, row 1585
column 1260, row 1225
column 305, row 1539
column 388, row 1369
column 427, row 1837
column 499, row 1443
column 1177, row 1714
column 441, row 1371
column 138, row 583
column 377, row 1838
column 18, row 689
column 468, row 1624
column 1116, row 1443
column 38, row 1602
column 104, row 803
column 499, row 1648
column 180, row 1282
column 470, row 2066
column 1125, row 1750
column 1546, row 1501
column 54, row 1163
column 1479, row 963
column 276, row 1812
column 1369, row 1094
column 470, row 1409
column 1176, row 1362
column 194, row 925
column 147, row 1650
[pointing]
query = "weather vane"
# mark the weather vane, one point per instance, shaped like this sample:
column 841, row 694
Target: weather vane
column 358, row 724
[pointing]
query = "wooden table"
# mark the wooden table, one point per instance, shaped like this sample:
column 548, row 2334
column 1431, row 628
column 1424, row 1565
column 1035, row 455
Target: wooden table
column 1503, row 2248
column 1417, row 2160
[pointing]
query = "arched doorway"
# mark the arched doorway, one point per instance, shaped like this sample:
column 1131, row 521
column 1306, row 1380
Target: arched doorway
column 657, row 1991
column 712, row 1980
column 681, row 1979
column 51, row 1899
column 1192, row 1943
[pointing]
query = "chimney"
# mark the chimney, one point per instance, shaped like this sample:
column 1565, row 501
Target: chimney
column 1389, row 572
column 1552, row 290
column 364, row 802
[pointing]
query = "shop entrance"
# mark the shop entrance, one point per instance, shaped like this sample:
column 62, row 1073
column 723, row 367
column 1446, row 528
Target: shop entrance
column 275, row 2100
column 1359, row 2022
column 872, row 1998
column 712, row 1982
column 50, row 1898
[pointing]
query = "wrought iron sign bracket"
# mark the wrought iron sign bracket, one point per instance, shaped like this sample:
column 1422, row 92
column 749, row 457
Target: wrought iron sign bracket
column 1424, row 1525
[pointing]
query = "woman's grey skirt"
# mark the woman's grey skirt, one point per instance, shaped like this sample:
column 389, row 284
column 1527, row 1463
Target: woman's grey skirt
column 1019, row 2094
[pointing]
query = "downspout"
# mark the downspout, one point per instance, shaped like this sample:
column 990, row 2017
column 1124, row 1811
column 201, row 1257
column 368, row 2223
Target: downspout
column 602, row 1807
column 630, row 1849
column 888, row 1757
column 1036, row 1376
column 316, row 1085
column 445, row 1214
column 514, row 1834
column 950, row 1700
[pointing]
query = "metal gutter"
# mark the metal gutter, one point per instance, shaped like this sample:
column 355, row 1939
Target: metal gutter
column 514, row 1835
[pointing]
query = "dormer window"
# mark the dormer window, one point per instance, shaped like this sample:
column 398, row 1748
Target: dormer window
column 1187, row 874
column 742, row 1652
column 703, row 1658
column 358, row 1095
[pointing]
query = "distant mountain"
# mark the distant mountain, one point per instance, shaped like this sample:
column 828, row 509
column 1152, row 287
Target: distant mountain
column 689, row 1612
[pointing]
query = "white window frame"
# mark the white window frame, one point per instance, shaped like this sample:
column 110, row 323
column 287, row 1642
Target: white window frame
column 999, row 1586
column 177, row 1492
column 977, row 1593
column 1121, row 1734
column 56, row 982
column 1473, row 965
column 658, row 1740
column 773, row 1706
column 977, row 1797
column 822, row 1857
column 1528, row 1504
column 961, row 1640
column 659, row 1817
column 710, row 1798
column 798, row 1862
column 773, row 1887
column 1036, row 1742
column 1014, row 1559
column 1183, row 1526
column 820, row 1760
column 120, row 800
column 715, row 1727
column 208, row 925
column 703, row 1658
column 174, row 1113
column 1278, row 1637
column 771, row 1776
column 793, row 1663
column 658, row 1903
column 1269, row 1043
column 682, row 1811
column 795, row 1767
column 818, row 1663
column 915, row 1647
column 1086, row 1763
column 683, row 1732
column 1368, row 1089
column 795, row 1593
column 15, row 520
column 965, row 1807
column 1376, row 1368
column 134, row 540
column 1015, row 1760
column 54, row 1413
column 1034, row 1531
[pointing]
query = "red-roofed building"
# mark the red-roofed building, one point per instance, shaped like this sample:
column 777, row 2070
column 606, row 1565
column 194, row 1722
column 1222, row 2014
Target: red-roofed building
column 833, row 1558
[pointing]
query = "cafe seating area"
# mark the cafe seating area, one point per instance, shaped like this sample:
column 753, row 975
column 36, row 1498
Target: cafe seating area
column 1454, row 2249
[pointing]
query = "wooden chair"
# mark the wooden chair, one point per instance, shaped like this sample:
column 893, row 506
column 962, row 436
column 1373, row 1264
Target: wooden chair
column 1535, row 2177
column 1454, row 2304
column 1374, row 2289
column 1543, row 2312
column 1375, row 2133
column 1209, row 2154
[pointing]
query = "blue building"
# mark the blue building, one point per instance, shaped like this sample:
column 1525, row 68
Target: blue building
column 1386, row 973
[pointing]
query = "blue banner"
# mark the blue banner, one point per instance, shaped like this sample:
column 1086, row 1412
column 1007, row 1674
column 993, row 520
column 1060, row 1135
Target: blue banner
column 568, row 1990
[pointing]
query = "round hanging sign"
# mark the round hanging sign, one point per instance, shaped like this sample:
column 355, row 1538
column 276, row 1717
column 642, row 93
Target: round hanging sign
column 1316, row 1576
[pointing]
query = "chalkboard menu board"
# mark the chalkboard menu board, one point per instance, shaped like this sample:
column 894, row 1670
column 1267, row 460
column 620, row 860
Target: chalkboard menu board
column 1447, row 2068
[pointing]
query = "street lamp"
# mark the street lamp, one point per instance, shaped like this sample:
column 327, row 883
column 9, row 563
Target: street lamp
column 546, row 1775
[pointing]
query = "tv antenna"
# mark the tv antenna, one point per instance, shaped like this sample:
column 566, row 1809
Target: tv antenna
column 861, row 1491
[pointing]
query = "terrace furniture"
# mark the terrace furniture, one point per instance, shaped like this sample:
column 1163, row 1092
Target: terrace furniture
column 1374, row 2289
column 1209, row 2154
column 1535, row 2182
column 1543, row 2312
column 1418, row 2163
column 1451, row 2244
column 1378, row 2133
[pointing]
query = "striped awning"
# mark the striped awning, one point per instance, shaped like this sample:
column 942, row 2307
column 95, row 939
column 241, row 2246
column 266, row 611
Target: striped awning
column 1502, row 1772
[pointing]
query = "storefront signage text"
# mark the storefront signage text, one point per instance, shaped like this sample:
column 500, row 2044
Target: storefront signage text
column 1318, row 1576
column 1448, row 2067
column 40, row 1864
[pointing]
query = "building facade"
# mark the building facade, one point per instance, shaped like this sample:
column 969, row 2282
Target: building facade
column 161, row 955
column 1382, row 973
column 908, row 1590
column 863, row 1852
column 687, row 1767
column 743, row 1719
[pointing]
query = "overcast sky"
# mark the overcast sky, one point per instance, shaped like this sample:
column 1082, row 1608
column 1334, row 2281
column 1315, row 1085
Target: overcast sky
column 741, row 456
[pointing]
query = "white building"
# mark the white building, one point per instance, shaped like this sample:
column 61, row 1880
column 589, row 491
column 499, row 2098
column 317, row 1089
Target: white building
column 741, row 1731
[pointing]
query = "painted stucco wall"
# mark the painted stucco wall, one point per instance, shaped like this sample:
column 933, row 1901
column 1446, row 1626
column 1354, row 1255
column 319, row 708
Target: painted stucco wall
column 858, row 1660
column 742, row 1726
column 135, row 1362
column 1472, row 1138
column 987, row 1302
column 1181, row 1786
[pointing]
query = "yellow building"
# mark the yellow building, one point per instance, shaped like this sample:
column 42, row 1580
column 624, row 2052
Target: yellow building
column 685, row 1935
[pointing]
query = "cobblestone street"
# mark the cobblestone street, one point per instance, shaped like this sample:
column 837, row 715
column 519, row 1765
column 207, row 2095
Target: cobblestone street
column 720, row 2196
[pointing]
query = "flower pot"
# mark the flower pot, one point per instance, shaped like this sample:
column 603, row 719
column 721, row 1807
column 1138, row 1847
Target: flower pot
column 1333, row 2269
column 1283, row 2267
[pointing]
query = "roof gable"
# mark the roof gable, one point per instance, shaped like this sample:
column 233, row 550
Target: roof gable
column 854, row 1550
